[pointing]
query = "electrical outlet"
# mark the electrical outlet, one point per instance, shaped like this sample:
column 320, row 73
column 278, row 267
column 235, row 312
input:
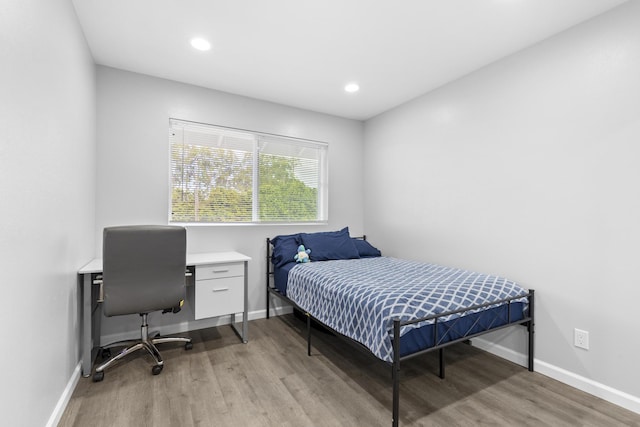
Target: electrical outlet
column 581, row 338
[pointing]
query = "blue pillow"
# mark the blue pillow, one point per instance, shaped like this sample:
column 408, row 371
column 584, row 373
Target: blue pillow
column 330, row 245
column 366, row 249
column 285, row 247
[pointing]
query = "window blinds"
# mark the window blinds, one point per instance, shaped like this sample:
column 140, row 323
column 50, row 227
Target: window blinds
column 223, row 175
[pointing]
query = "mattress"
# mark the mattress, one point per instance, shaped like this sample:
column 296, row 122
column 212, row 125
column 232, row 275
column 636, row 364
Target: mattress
column 360, row 298
column 281, row 276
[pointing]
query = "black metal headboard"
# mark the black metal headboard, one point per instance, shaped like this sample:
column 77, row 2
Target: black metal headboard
column 270, row 272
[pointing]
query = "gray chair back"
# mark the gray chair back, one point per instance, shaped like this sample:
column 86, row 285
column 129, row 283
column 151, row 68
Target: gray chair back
column 143, row 268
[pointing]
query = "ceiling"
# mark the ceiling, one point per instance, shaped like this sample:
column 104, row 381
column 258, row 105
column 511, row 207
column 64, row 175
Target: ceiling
column 302, row 53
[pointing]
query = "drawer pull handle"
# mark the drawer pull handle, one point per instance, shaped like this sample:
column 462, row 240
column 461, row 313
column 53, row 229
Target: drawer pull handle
column 221, row 271
column 220, row 289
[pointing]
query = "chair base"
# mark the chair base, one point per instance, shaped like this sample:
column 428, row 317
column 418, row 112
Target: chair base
column 131, row 346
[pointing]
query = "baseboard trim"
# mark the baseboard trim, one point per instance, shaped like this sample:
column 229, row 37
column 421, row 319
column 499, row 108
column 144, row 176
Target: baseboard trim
column 572, row 379
column 195, row 325
column 56, row 415
column 273, row 311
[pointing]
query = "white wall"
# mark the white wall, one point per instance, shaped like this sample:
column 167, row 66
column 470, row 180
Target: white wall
column 528, row 168
column 133, row 168
column 47, row 155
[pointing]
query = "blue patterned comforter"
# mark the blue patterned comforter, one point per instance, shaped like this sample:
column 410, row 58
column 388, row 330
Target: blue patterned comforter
column 360, row 298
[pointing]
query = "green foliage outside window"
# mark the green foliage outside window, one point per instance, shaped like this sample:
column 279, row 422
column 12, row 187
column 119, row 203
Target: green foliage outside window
column 210, row 185
column 215, row 185
column 281, row 194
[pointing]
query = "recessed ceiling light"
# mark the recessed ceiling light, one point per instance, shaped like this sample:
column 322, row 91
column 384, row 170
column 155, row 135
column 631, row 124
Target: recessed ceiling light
column 200, row 44
column 352, row 87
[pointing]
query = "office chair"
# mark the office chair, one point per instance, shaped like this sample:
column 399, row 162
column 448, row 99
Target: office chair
column 143, row 271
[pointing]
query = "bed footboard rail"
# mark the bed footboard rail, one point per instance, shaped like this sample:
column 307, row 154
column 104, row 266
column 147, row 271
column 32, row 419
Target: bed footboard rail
column 435, row 319
column 439, row 344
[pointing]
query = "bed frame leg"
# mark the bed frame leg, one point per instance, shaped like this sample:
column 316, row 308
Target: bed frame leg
column 441, row 356
column 267, row 302
column 308, row 334
column 531, row 328
column 267, row 270
column 395, row 373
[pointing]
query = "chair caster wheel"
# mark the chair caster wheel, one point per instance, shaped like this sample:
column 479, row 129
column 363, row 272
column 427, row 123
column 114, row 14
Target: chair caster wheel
column 105, row 353
column 156, row 369
column 98, row 376
column 188, row 346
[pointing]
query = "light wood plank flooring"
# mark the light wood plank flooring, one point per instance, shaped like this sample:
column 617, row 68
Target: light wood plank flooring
column 272, row 382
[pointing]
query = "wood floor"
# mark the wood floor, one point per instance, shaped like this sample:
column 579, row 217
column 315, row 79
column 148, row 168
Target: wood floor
column 272, row 382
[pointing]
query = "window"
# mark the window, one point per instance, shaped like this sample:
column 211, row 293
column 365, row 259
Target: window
column 224, row 175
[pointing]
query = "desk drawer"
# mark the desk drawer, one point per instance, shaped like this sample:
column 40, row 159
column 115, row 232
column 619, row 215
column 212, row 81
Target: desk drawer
column 214, row 271
column 217, row 297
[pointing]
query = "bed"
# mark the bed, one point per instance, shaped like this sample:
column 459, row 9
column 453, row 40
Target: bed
column 369, row 299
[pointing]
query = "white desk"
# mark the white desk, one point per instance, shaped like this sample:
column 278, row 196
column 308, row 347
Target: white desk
column 210, row 269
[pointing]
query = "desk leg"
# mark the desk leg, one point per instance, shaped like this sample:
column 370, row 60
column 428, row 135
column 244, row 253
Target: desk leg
column 90, row 324
column 245, row 316
column 244, row 335
column 87, row 327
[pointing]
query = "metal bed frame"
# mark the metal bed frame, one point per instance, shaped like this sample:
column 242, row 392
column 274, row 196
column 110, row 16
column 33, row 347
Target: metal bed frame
column 440, row 344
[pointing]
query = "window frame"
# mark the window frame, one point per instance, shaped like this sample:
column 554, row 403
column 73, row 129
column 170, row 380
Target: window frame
column 322, row 186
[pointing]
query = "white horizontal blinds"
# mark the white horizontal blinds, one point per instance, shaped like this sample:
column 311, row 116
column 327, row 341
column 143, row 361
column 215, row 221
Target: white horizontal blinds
column 212, row 173
column 291, row 174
